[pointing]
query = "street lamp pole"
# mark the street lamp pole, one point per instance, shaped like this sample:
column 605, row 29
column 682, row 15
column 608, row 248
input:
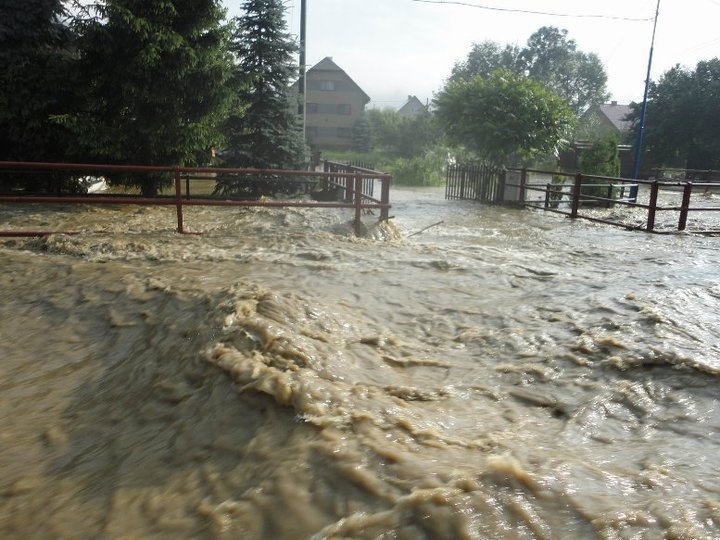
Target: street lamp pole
column 641, row 128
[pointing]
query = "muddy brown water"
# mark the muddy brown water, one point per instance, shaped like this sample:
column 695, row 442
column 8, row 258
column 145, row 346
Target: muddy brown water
column 503, row 374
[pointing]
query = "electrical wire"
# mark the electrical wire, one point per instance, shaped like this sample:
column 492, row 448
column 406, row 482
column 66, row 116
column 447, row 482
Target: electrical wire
column 533, row 12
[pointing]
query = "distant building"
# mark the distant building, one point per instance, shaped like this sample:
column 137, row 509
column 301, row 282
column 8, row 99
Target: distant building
column 333, row 103
column 607, row 118
column 598, row 121
column 412, row 107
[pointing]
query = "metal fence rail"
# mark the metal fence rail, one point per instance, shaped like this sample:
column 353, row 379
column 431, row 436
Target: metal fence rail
column 586, row 193
column 355, row 198
column 338, row 186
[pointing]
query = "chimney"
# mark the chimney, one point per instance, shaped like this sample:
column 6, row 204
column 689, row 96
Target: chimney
column 613, row 103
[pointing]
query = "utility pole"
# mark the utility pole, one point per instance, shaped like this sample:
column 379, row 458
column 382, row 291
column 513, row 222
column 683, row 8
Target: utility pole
column 301, row 80
column 641, row 128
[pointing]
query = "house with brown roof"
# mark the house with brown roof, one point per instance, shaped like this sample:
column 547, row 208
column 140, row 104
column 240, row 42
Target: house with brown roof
column 333, row 103
column 597, row 122
column 412, row 107
column 607, row 118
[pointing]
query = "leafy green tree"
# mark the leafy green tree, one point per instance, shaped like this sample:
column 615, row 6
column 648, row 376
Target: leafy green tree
column 486, row 57
column 157, row 74
column 602, row 158
column 262, row 130
column 403, row 136
column 682, row 128
column 553, row 59
column 503, row 115
column 550, row 58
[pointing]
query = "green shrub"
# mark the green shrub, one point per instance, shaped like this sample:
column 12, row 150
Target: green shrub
column 418, row 171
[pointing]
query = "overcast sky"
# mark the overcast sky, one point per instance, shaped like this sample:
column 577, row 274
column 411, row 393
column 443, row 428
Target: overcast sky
column 394, row 48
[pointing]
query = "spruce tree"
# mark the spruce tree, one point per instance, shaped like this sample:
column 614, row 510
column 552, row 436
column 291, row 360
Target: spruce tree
column 361, row 134
column 34, row 89
column 158, row 75
column 262, row 131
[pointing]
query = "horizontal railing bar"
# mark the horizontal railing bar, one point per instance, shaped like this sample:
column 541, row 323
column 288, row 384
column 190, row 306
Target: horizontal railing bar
column 167, row 201
column 5, row 165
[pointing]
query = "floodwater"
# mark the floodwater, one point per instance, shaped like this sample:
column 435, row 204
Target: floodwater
column 503, row 374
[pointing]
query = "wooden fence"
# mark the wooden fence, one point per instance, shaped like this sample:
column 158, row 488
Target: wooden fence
column 477, row 182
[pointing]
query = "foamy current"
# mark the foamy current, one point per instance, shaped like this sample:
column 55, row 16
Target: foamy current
column 503, row 374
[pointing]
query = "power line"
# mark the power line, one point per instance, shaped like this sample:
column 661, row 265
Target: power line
column 533, row 12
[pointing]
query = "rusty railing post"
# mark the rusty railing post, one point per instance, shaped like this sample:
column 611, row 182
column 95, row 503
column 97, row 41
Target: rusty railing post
column 577, row 188
column 547, row 194
column 358, row 202
column 523, row 182
column 652, row 206
column 500, row 194
column 385, row 197
column 685, row 206
column 178, row 200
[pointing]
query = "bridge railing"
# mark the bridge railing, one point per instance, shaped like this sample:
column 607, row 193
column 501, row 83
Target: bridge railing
column 583, row 196
column 184, row 177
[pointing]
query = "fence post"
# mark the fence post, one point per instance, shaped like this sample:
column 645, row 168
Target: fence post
column 178, row 200
column 500, row 197
column 576, row 195
column 652, row 206
column 358, row 202
column 687, row 191
column 547, row 195
column 349, row 184
column 523, row 181
column 385, row 197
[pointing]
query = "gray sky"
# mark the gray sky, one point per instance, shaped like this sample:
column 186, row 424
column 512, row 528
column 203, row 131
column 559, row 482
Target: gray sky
column 393, row 48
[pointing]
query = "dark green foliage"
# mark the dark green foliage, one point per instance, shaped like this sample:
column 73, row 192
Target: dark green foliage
column 602, row 159
column 550, row 58
column 262, row 130
column 403, row 136
column 156, row 74
column 682, row 127
column 486, row 57
column 503, row 115
column 35, row 56
column 424, row 170
column 361, row 134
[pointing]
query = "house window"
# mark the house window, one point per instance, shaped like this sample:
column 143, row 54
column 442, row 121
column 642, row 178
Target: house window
column 344, row 132
column 327, row 85
column 328, row 108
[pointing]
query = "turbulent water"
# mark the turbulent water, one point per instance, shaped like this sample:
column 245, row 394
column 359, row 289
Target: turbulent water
column 503, row 374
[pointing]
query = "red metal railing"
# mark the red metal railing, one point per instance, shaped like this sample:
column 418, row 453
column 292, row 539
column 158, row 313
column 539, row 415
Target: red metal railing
column 556, row 197
column 356, row 199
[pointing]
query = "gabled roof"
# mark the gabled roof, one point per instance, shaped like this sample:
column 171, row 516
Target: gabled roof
column 616, row 114
column 327, row 64
column 412, row 105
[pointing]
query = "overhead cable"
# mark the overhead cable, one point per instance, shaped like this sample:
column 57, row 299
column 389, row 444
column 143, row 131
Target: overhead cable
column 533, row 12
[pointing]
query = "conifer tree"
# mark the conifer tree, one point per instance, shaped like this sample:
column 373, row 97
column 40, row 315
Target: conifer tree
column 158, row 75
column 262, row 131
column 34, row 54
